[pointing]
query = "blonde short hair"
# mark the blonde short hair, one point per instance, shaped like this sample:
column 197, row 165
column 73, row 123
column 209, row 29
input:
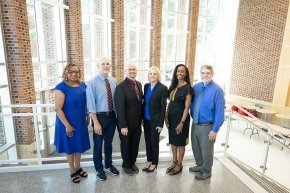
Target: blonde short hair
column 158, row 72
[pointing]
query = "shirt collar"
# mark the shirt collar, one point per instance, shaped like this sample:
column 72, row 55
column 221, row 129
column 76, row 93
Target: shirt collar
column 206, row 85
column 131, row 81
column 102, row 77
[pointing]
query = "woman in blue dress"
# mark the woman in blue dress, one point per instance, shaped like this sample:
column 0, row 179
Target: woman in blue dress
column 71, row 130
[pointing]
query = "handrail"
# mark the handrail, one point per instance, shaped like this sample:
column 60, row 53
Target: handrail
column 34, row 114
column 39, row 159
column 26, row 105
column 266, row 125
column 269, row 137
column 24, row 114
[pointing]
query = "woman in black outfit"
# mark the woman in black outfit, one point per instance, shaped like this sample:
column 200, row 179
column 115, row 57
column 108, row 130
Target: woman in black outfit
column 180, row 95
column 154, row 107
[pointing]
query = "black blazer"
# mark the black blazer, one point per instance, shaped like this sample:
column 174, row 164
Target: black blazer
column 128, row 107
column 156, row 103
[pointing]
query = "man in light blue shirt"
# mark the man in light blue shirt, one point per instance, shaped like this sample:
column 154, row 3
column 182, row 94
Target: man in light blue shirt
column 100, row 92
column 207, row 112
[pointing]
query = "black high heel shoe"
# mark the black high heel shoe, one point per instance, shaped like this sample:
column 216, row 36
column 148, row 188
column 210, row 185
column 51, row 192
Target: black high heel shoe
column 149, row 171
column 168, row 170
column 175, row 172
column 145, row 168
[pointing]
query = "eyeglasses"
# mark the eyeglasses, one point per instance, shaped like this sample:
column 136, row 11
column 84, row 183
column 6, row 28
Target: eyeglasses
column 73, row 72
column 131, row 69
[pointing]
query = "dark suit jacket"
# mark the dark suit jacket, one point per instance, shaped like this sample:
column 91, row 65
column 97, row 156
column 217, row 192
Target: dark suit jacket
column 157, row 103
column 129, row 109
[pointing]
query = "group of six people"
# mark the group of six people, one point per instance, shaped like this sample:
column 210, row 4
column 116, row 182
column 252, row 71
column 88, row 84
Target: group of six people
column 124, row 106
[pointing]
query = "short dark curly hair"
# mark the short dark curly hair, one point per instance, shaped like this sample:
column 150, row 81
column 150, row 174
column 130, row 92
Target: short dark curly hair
column 66, row 70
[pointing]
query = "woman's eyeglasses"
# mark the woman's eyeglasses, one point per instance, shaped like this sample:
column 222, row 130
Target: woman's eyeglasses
column 73, row 72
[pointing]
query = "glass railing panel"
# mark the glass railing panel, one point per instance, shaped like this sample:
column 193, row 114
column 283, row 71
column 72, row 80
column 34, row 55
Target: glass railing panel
column 246, row 143
column 278, row 167
column 40, row 149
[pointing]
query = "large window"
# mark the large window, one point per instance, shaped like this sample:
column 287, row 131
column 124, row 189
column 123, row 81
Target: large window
column 47, row 38
column 6, row 134
column 48, row 47
column 137, row 35
column 96, row 21
column 215, row 41
column 174, row 36
column 3, row 87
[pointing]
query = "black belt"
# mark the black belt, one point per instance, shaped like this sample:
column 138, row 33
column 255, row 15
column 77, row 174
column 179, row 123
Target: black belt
column 208, row 123
column 105, row 113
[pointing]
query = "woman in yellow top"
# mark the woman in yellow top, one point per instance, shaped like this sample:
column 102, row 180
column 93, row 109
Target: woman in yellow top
column 180, row 95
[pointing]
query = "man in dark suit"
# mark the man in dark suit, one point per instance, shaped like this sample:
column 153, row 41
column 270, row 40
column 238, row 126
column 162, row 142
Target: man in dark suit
column 128, row 101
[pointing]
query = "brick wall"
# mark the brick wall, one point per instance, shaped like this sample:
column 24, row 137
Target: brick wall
column 19, row 64
column 258, row 41
column 192, row 36
column 74, row 35
column 118, row 39
column 156, row 23
column 2, row 136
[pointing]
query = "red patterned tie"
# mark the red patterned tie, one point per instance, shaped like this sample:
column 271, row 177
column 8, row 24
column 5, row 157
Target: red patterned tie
column 136, row 90
column 109, row 94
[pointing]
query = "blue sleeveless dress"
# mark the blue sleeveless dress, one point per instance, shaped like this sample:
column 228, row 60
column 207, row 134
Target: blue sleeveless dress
column 74, row 109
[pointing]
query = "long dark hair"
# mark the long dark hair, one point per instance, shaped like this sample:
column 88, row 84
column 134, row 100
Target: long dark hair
column 174, row 81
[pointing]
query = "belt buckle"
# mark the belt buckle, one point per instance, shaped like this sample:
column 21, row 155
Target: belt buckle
column 203, row 124
column 108, row 113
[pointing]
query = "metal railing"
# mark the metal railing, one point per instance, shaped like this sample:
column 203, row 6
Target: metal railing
column 228, row 143
column 268, row 142
column 38, row 111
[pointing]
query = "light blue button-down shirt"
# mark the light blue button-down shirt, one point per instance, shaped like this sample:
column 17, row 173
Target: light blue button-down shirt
column 212, row 104
column 97, row 99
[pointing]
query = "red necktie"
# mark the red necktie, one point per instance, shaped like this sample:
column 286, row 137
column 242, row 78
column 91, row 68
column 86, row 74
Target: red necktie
column 109, row 95
column 136, row 90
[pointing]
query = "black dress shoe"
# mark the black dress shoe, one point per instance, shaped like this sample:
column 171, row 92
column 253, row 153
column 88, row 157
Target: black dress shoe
column 135, row 168
column 128, row 171
column 145, row 169
column 149, row 171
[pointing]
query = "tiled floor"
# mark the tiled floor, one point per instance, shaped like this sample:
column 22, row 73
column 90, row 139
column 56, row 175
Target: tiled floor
column 222, row 181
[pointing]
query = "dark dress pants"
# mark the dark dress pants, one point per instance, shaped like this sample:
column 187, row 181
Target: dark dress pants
column 108, row 123
column 130, row 145
column 152, row 142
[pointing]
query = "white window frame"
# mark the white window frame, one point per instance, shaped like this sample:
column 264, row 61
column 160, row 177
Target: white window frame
column 60, row 42
column 107, row 44
column 165, row 71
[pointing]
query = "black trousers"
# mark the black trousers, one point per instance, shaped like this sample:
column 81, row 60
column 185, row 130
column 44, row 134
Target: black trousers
column 152, row 142
column 130, row 145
